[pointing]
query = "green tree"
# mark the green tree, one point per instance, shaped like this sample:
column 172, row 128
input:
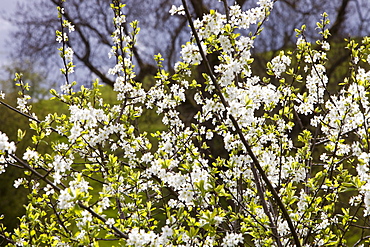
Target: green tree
column 36, row 78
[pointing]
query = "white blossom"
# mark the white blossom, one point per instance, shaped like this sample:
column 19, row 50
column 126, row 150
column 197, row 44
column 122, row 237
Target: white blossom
column 18, row 182
column 30, row 154
column 110, row 222
column 279, row 64
column 177, row 10
column 232, row 239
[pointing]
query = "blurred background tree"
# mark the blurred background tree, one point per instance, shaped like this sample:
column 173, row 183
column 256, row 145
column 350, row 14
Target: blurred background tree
column 36, row 22
column 32, row 73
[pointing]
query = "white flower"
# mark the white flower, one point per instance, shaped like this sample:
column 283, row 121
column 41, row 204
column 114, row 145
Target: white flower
column 65, row 199
column 81, row 235
column 209, row 135
column 325, row 46
column 49, row 190
column 57, row 177
column 71, row 28
column 61, row 38
column 167, row 231
column 65, row 87
column 138, row 237
column 300, row 41
column 2, row 166
column 5, row 145
column 68, row 54
column 18, row 182
column 190, row 53
column 147, row 158
column 173, row 10
column 218, row 219
column 186, row 196
column 104, row 203
column 283, row 228
column 356, row 60
column 30, row 154
column 61, row 164
column 110, row 222
column 279, row 64
column 79, row 184
column 120, row 20
column 177, row 10
column 21, row 242
column 22, row 103
column 232, row 239
column 265, row 3
column 174, row 204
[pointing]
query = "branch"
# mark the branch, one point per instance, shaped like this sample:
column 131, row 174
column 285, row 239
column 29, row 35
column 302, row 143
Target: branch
column 42, row 177
column 240, row 133
column 7, row 239
column 199, row 8
column 19, row 112
column 340, row 18
column 93, row 69
column 362, row 239
column 27, row 116
column 226, row 7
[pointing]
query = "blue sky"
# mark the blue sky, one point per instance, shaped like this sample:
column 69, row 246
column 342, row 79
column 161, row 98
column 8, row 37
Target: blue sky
column 6, row 6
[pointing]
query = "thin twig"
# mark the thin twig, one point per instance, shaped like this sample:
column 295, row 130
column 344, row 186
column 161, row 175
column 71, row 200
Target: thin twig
column 227, row 11
column 27, row 116
column 28, row 167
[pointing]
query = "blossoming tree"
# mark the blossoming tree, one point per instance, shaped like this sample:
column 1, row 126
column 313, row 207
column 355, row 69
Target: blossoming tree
column 281, row 183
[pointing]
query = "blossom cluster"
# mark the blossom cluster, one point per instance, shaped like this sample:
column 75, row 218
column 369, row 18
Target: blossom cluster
column 6, row 147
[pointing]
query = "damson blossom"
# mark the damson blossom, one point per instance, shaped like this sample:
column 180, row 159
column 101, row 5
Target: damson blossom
column 22, row 103
column 316, row 83
column 190, row 53
column 138, row 237
column 244, row 19
column 69, row 25
column 66, row 199
column 68, row 54
column 18, row 182
column 6, row 146
column 119, row 20
column 89, row 116
column 325, row 45
column 266, row 3
column 110, row 222
column 177, row 10
column 344, row 115
column 30, row 154
column 232, row 239
column 61, row 37
column 279, row 64
column 362, row 75
column 211, row 24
